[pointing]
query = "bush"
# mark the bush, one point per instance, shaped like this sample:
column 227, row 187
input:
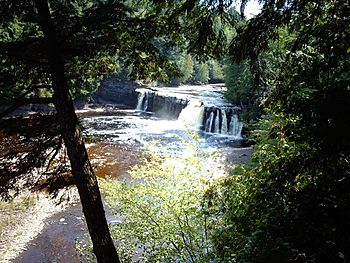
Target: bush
column 161, row 209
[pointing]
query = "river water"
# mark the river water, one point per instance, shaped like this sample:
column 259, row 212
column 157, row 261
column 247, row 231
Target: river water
column 166, row 115
column 169, row 117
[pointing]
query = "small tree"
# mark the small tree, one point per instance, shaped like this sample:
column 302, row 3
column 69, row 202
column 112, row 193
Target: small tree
column 215, row 71
column 187, row 68
column 162, row 208
column 201, row 74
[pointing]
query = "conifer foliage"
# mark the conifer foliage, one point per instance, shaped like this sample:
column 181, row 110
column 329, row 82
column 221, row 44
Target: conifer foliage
column 293, row 206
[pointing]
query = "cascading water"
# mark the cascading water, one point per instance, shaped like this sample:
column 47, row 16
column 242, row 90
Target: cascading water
column 217, row 122
column 223, row 121
column 142, row 101
column 213, row 116
column 159, row 105
column 192, row 115
column 235, row 126
column 224, row 129
column 209, row 122
column 164, row 113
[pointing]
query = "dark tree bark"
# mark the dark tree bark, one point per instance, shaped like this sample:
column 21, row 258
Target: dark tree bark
column 82, row 171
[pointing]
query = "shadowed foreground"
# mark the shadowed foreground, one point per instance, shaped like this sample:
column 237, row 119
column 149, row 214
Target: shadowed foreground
column 56, row 242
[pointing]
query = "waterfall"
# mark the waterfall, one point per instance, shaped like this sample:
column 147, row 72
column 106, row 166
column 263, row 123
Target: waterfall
column 140, row 101
column 159, row 105
column 145, row 103
column 192, row 115
column 209, row 122
column 217, row 121
column 224, row 129
column 223, row 121
column 235, row 126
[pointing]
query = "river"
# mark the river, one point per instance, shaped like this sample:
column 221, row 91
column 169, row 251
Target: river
column 166, row 116
column 120, row 135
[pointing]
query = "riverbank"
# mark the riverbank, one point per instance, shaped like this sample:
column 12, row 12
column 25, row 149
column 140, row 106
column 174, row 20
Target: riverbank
column 24, row 218
column 58, row 239
column 49, row 233
column 118, row 136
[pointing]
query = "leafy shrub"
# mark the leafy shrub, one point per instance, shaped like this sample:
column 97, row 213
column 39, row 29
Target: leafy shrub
column 161, row 209
column 295, row 205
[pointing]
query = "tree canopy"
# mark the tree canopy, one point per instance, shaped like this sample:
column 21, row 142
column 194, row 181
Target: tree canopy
column 293, row 204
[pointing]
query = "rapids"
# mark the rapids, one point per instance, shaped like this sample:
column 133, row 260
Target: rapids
column 165, row 114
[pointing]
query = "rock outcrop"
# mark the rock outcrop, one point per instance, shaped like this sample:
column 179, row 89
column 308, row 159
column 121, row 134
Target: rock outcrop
column 117, row 91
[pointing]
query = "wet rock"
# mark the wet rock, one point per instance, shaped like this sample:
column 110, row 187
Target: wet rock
column 117, row 91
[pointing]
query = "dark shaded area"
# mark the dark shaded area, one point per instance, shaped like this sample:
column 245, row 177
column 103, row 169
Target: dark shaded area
column 294, row 204
column 57, row 241
column 31, row 154
column 117, row 91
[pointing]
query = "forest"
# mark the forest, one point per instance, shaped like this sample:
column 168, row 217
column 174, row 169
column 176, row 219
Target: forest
column 288, row 70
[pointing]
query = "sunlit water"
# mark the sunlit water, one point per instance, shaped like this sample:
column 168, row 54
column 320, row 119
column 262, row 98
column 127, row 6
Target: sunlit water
column 140, row 128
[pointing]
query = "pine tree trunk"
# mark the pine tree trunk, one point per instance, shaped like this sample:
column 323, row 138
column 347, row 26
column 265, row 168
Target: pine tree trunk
column 82, row 171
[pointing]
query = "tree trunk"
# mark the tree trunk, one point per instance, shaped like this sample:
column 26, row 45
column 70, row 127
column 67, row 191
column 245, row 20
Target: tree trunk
column 82, row 171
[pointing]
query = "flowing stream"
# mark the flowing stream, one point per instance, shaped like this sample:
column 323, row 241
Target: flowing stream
column 162, row 113
column 165, row 115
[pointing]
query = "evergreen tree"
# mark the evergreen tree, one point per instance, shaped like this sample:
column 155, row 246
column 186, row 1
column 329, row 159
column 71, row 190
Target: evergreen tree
column 293, row 205
column 66, row 46
column 216, row 73
column 201, row 74
column 239, row 83
column 187, row 68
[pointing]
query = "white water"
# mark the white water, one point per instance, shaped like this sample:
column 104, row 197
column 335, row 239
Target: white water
column 224, row 129
column 207, row 112
column 191, row 116
column 142, row 101
column 221, row 119
column 217, row 122
column 209, row 122
column 235, row 126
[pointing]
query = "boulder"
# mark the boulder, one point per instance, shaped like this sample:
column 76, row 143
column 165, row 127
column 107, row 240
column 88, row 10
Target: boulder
column 117, row 91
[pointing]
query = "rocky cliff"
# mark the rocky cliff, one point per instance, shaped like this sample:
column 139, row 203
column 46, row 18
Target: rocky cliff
column 117, row 91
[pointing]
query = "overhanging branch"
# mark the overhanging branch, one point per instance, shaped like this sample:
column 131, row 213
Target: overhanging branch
column 24, row 101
